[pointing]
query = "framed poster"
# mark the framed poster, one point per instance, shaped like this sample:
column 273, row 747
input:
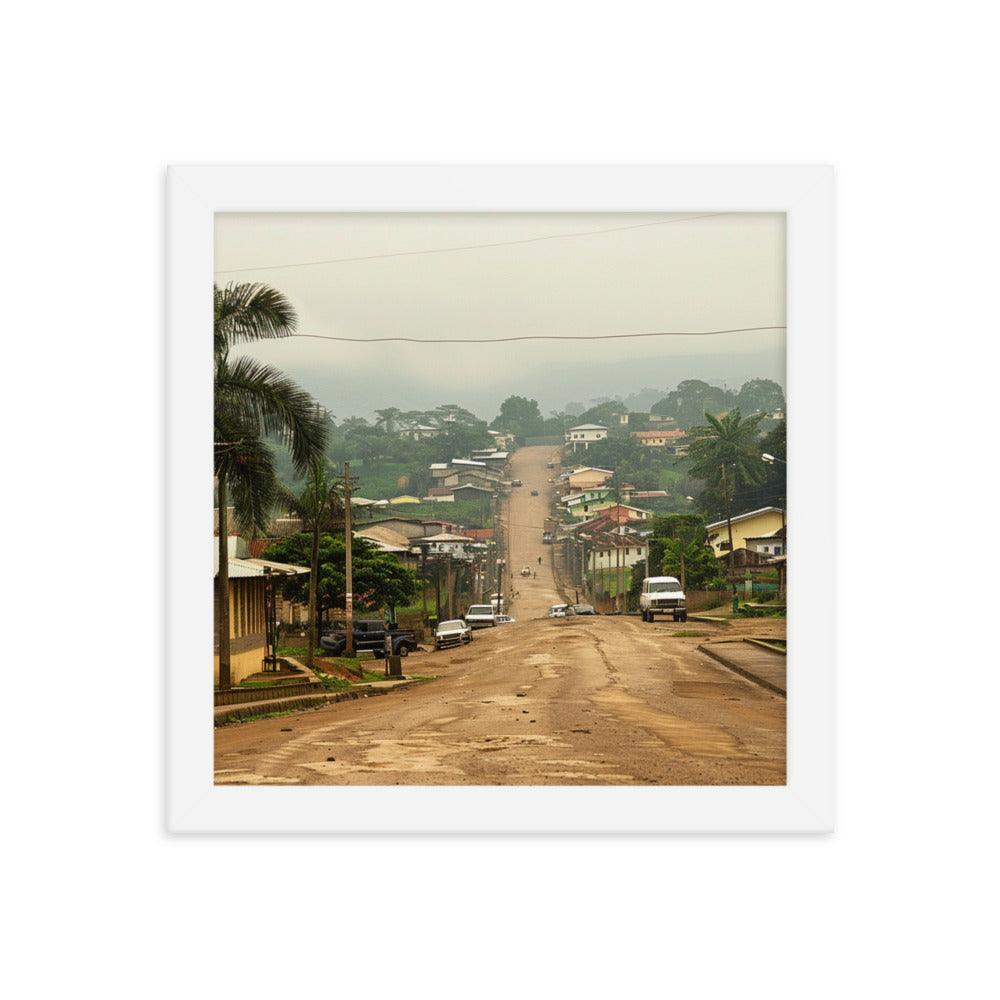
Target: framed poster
column 500, row 475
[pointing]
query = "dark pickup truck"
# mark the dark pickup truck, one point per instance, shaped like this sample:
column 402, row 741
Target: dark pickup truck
column 369, row 635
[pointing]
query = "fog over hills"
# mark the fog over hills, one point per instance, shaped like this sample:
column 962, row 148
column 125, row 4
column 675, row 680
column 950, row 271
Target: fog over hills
column 474, row 277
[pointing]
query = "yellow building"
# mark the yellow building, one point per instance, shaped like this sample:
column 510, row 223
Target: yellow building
column 588, row 478
column 247, row 617
column 752, row 524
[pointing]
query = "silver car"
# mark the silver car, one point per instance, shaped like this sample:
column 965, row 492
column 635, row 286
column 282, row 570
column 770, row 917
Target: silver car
column 452, row 633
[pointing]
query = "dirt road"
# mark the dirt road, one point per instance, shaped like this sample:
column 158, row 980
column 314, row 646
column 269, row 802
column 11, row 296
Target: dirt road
column 585, row 700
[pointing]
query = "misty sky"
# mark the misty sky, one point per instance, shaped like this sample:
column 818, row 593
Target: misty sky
column 709, row 273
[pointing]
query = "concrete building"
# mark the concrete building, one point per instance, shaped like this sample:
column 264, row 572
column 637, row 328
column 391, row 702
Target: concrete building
column 751, row 524
column 587, row 477
column 659, row 439
column 584, row 435
column 248, row 582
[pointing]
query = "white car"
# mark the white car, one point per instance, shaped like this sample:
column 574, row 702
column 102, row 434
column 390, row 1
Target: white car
column 480, row 616
column 662, row 595
column 452, row 633
column 558, row 610
column 504, row 620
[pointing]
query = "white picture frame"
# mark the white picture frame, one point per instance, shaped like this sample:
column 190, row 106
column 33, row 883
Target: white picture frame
column 805, row 803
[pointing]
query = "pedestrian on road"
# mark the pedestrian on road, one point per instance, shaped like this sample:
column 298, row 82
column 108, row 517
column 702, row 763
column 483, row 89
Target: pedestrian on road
column 539, row 560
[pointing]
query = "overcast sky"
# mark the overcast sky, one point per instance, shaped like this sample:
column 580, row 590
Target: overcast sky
column 704, row 274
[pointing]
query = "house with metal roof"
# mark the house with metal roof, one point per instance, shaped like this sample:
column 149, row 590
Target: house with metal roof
column 747, row 525
column 250, row 584
column 584, row 435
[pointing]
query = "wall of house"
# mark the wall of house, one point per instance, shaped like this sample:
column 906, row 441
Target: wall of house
column 608, row 558
column 761, row 524
column 246, row 628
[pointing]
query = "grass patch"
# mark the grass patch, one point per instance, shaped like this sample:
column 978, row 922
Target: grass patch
column 687, row 634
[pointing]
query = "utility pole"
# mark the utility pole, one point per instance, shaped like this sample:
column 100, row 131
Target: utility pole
column 729, row 524
column 348, row 574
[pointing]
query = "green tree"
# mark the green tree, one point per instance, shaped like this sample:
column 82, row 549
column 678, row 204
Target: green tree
column 725, row 454
column 388, row 419
column 320, row 506
column 519, row 416
column 760, row 395
column 691, row 400
column 251, row 402
column 378, row 579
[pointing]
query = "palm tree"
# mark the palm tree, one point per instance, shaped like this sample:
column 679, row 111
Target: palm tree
column 321, row 509
column 388, row 418
column 252, row 401
column 726, row 455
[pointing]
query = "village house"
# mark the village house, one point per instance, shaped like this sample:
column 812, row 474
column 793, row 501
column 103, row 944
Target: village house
column 658, row 438
column 412, row 527
column 393, row 542
column 502, row 439
column 439, row 494
column 621, row 513
column 608, row 553
column 586, row 477
column 447, row 544
column 584, row 435
column 419, row 432
column 772, row 544
column 248, row 583
column 587, row 502
column 661, row 421
column 752, row 524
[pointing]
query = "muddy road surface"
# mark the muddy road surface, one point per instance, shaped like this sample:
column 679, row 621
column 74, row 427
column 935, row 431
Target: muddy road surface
column 585, row 700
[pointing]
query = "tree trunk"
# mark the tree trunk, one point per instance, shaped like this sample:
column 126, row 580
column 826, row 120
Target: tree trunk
column 729, row 525
column 313, row 634
column 225, row 656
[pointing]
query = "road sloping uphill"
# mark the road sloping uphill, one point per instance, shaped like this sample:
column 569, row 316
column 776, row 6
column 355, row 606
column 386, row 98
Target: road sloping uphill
column 587, row 700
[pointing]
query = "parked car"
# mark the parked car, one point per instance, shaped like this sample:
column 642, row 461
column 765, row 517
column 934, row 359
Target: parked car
column 546, row 537
column 534, row 493
column 452, row 633
column 583, row 609
column 558, row 611
column 516, row 482
column 525, row 571
column 662, row 595
column 480, row 616
column 550, row 465
column 504, row 620
column 369, row 634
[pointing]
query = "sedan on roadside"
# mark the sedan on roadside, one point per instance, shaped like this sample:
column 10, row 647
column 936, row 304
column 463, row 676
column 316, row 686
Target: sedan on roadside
column 583, row 609
column 452, row 633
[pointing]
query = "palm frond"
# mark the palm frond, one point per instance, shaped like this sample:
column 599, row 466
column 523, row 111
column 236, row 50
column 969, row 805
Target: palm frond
column 250, row 311
column 255, row 395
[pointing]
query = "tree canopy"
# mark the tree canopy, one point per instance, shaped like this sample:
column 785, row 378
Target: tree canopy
column 379, row 581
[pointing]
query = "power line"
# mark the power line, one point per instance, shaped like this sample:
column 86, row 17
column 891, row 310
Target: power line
column 469, row 246
column 537, row 336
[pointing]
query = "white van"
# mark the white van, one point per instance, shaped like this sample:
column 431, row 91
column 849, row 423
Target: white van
column 662, row 595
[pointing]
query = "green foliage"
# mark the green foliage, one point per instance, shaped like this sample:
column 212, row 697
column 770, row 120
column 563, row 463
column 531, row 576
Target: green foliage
column 677, row 536
column 379, row 581
column 519, row 416
column 760, row 395
column 725, row 455
column 691, row 400
column 253, row 401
